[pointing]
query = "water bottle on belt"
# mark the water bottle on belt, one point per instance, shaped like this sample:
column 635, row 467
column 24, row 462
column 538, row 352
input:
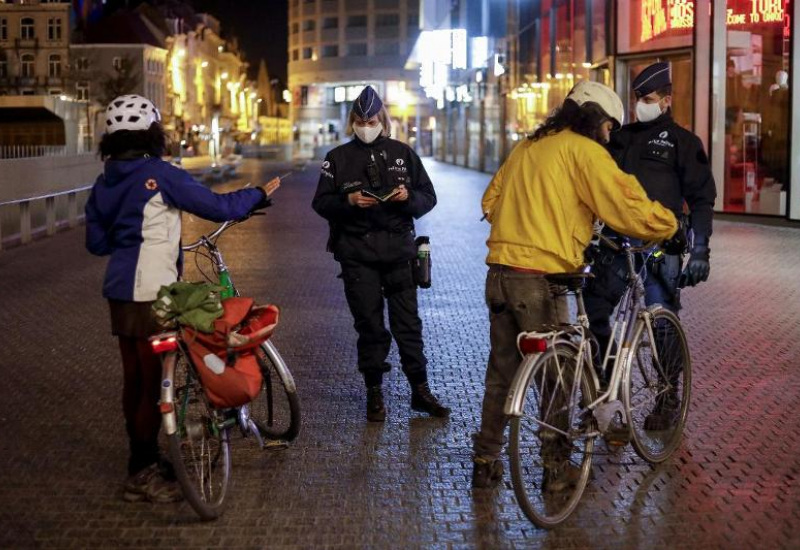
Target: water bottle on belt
column 422, row 263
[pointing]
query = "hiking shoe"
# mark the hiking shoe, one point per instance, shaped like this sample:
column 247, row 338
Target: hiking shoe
column 376, row 411
column 665, row 414
column 422, row 400
column 559, row 479
column 487, row 473
column 151, row 485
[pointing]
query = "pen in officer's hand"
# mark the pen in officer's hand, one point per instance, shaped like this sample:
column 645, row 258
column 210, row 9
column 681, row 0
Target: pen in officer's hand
column 485, row 215
column 286, row 175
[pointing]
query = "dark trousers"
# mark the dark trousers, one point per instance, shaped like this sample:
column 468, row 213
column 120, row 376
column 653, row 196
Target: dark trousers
column 140, row 396
column 366, row 285
column 604, row 292
column 517, row 302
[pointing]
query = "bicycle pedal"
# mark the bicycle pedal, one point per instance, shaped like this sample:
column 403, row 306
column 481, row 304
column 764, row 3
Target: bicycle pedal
column 275, row 445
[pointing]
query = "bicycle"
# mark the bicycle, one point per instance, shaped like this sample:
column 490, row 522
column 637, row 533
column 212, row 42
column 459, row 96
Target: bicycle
column 198, row 434
column 558, row 407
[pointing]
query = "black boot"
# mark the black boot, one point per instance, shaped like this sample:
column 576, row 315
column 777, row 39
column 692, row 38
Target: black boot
column 487, row 473
column 376, row 411
column 423, row 400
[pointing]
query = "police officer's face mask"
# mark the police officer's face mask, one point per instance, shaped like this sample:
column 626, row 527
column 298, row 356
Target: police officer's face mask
column 645, row 112
column 368, row 134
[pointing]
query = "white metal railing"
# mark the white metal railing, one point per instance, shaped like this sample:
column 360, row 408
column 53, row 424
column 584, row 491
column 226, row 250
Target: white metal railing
column 22, row 215
column 28, row 151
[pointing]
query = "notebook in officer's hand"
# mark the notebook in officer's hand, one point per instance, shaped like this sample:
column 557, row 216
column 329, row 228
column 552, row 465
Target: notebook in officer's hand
column 382, row 194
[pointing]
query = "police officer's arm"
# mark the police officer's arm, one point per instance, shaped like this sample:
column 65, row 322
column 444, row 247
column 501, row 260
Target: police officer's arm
column 328, row 201
column 697, row 185
column 618, row 199
column 699, row 192
column 421, row 196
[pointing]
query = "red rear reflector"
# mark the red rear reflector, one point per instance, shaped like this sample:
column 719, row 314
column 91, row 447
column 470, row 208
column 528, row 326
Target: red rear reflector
column 529, row 345
column 164, row 344
column 166, row 407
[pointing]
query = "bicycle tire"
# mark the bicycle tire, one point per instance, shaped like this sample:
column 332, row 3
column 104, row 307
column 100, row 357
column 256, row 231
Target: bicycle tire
column 199, row 449
column 534, row 461
column 276, row 410
column 657, row 414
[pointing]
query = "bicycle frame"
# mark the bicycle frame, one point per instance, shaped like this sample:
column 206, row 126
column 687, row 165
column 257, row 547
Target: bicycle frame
column 630, row 313
column 208, row 242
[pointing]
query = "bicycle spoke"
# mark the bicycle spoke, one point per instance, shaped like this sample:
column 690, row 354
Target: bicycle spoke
column 657, row 396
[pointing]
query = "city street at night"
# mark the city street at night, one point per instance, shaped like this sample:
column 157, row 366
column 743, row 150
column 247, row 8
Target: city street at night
column 345, row 483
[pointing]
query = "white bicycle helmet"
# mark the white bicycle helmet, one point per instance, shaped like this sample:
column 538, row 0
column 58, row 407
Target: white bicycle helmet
column 604, row 97
column 131, row 112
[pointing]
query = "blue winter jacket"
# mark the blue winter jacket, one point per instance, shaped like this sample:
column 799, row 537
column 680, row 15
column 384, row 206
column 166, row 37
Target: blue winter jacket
column 134, row 214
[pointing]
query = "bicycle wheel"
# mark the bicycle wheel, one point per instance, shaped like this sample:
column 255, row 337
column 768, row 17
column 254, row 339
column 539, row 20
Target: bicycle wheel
column 276, row 410
column 658, row 386
column 552, row 442
column 200, row 447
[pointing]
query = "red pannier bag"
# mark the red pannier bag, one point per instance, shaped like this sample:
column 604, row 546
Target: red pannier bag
column 225, row 359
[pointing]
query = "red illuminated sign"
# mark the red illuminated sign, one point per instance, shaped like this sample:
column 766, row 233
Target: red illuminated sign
column 661, row 16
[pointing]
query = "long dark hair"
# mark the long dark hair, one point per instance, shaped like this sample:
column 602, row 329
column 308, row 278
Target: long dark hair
column 134, row 143
column 584, row 119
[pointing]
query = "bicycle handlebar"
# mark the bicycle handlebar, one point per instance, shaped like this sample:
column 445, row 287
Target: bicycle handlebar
column 610, row 243
column 219, row 231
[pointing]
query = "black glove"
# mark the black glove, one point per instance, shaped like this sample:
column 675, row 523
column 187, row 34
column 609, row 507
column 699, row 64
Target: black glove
column 698, row 268
column 677, row 243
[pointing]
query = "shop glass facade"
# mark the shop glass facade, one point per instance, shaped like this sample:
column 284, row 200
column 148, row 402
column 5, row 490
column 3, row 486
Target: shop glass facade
column 757, row 97
column 731, row 77
column 757, row 38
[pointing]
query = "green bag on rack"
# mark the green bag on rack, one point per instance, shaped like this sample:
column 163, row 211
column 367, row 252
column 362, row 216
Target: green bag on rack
column 196, row 305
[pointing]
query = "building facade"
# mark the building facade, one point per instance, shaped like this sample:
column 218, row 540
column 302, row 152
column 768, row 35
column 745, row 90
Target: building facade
column 734, row 69
column 34, row 47
column 336, row 47
column 210, row 103
column 100, row 72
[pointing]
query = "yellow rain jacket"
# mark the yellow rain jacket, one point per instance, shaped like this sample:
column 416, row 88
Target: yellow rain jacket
column 544, row 199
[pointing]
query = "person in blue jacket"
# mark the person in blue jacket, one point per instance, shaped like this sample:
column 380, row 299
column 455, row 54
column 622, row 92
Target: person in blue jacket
column 133, row 215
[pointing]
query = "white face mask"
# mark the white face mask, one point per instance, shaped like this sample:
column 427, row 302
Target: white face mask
column 368, row 134
column 645, row 112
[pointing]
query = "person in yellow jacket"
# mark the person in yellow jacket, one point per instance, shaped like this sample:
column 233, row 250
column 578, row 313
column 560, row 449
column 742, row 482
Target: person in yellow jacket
column 541, row 205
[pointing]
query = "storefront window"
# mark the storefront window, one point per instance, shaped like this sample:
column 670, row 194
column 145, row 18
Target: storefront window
column 757, row 100
column 558, row 44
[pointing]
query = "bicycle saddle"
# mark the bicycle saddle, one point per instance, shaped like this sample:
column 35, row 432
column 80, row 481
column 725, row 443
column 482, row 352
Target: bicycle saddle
column 572, row 281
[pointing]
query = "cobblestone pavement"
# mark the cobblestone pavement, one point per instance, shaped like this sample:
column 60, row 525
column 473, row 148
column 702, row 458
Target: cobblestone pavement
column 734, row 483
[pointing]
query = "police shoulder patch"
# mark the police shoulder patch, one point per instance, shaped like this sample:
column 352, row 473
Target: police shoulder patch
column 151, row 184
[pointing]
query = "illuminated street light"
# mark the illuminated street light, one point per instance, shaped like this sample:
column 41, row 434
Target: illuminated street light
column 204, row 64
column 224, row 75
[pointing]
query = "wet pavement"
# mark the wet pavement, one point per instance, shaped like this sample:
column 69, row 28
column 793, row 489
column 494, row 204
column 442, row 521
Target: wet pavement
column 734, row 483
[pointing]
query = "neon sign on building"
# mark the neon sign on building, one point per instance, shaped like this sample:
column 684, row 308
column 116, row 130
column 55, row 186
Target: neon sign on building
column 658, row 17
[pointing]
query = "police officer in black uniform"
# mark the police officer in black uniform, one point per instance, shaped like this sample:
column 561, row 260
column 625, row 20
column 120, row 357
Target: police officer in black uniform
column 370, row 191
column 673, row 168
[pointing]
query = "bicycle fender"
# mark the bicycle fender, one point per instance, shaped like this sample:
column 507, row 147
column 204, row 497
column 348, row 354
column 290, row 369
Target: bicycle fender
column 167, row 403
column 280, row 365
column 516, row 392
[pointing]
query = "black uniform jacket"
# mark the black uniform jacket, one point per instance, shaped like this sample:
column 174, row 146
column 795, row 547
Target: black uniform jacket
column 382, row 233
column 671, row 165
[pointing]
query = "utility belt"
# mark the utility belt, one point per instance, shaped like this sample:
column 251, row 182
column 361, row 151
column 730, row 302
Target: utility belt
column 362, row 232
